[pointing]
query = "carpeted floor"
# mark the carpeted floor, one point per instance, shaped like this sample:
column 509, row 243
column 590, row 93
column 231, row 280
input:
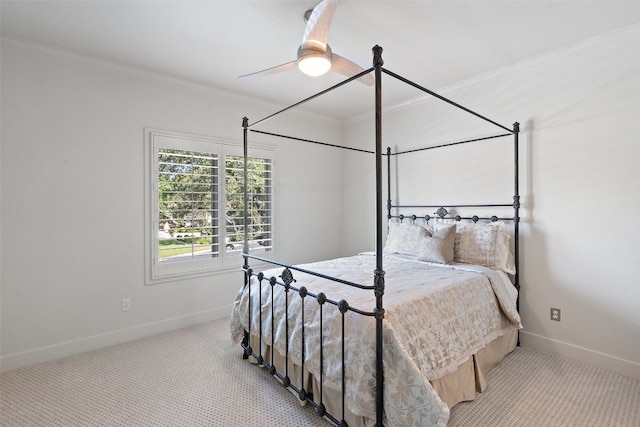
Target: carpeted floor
column 196, row 377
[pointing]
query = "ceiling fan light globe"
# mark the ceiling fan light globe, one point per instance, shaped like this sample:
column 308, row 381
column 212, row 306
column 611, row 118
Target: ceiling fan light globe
column 314, row 66
column 314, row 60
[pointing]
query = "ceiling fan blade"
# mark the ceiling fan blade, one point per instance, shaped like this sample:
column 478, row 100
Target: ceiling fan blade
column 317, row 29
column 346, row 67
column 273, row 70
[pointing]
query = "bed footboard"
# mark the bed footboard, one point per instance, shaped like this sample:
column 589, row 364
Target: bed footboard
column 261, row 346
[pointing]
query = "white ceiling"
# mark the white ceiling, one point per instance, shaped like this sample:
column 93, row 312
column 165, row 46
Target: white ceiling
column 434, row 43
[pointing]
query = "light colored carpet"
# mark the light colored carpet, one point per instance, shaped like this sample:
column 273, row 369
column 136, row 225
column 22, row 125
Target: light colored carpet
column 196, row 377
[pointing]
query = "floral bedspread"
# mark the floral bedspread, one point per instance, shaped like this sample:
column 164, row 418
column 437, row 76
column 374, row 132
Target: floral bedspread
column 436, row 317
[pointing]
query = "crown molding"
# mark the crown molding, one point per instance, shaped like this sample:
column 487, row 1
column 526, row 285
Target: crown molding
column 137, row 72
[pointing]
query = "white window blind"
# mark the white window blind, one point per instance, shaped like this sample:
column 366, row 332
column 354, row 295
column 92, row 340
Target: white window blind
column 196, row 205
column 187, row 205
column 259, row 206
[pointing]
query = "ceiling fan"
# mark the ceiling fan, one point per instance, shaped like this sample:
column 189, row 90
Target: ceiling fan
column 315, row 57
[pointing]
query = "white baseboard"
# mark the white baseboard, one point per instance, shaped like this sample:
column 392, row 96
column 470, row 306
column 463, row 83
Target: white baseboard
column 68, row 348
column 585, row 355
column 81, row 345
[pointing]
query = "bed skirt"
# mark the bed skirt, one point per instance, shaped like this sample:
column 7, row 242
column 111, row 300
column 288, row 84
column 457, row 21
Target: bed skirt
column 461, row 385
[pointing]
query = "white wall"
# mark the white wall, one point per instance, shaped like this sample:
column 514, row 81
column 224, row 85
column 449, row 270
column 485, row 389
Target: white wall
column 73, row 200
column 579, row 109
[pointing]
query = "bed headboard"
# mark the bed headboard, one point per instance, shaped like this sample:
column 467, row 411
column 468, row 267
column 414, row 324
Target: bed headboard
column 450, row 212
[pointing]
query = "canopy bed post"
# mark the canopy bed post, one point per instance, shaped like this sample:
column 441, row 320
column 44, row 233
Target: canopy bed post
column 379, row 273
column 245, row 247
column 516, row 208
column 246, row 345
column 388, row 183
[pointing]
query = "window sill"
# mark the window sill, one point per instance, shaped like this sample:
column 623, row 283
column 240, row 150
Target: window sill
column 178, row 277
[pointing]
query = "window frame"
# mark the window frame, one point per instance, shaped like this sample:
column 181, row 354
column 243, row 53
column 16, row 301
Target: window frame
column 158, row 272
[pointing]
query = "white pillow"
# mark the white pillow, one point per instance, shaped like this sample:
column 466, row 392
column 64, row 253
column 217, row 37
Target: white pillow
column 482, row 244
column 505, row 260
column 404, row 238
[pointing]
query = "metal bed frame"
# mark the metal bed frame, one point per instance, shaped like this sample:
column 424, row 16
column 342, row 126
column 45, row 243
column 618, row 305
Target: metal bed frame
column 286, row 279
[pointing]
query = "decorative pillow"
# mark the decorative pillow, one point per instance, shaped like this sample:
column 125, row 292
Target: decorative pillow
column 482, row 244
column 404, row 238
column 439, row 246
column 476, row 243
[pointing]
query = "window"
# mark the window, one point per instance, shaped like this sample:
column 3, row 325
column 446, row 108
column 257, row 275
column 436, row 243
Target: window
column 195, row 208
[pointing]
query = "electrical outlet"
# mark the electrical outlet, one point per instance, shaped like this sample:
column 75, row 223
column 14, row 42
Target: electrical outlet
column 555, row 314
column 126, row 304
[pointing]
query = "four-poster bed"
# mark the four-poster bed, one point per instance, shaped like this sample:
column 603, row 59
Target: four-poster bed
column 449, row 313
